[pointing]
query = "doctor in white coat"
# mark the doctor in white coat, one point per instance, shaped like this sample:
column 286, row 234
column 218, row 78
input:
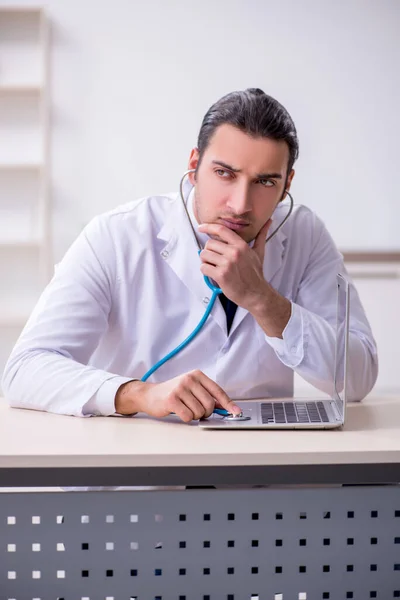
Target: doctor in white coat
column 131, row 288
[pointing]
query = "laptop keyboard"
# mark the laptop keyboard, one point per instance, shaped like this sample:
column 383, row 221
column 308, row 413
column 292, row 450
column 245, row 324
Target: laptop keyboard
column 293, row 412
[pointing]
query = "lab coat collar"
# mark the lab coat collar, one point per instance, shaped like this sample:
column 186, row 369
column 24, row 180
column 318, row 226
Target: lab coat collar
column 181, row 253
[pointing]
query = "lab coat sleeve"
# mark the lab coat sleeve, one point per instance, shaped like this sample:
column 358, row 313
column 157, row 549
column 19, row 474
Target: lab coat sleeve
column 308, row 344
column 48, row 369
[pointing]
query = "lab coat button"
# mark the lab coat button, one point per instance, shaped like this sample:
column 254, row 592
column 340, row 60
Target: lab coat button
column 165, row 253
column 294, row 349
column 206, row 300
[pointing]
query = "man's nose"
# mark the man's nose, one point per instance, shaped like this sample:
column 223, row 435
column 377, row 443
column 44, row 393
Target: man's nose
column 239, row 199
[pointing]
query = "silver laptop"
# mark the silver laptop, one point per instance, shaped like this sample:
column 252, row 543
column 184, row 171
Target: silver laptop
column 294, row 413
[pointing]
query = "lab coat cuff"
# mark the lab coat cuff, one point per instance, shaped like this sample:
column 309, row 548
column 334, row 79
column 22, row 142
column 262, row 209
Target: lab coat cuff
column 290, row 349
column 103, row 401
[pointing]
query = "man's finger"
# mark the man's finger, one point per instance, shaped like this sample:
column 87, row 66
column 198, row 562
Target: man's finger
column 259, row 242
column 210, row 271
column 224, row 233
column 189, row 399
column 216, row 246
column 177, row 407
column 212, row 258
column 220, row 396
column 204, row 397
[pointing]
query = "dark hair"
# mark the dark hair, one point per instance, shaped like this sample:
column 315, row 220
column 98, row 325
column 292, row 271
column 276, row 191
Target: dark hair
column 255, row 113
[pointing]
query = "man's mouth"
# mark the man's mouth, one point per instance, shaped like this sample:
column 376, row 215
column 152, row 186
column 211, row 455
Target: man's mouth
column 234, row 224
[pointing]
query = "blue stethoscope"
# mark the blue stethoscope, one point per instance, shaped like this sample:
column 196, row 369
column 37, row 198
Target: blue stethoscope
column 216, row 291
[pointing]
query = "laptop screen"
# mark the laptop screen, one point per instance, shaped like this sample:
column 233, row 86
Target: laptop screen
column 341, row 351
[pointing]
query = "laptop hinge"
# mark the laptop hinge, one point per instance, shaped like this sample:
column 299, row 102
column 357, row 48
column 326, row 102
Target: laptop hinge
column 335, row 411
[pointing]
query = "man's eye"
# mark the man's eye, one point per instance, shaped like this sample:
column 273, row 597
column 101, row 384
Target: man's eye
column 267, row 182
column 222, row 173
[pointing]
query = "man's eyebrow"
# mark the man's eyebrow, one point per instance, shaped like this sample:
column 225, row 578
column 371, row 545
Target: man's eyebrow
column 259, row 175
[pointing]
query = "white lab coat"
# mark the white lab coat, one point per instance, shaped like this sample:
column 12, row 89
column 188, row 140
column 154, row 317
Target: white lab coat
column 129, row 290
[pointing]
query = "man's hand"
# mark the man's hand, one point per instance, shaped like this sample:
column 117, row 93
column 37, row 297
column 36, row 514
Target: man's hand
column 233, row 265
column 191, row 396
column 238, row 270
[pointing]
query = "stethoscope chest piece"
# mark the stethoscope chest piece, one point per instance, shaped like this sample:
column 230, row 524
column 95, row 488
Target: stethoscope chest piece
column 240, row 417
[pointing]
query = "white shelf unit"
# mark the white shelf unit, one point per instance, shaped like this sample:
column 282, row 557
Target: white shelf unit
column 20, row 89
column 26, row 263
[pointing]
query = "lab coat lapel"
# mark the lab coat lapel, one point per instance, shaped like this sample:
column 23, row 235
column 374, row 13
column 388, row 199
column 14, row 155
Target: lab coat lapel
column 274, row 252
column 181, row 254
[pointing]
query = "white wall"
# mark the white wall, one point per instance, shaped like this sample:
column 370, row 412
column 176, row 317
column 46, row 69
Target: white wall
column 131, row 81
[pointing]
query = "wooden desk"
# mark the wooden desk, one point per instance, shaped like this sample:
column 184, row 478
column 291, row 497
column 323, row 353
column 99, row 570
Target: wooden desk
column 41, row 449
column 294, row 542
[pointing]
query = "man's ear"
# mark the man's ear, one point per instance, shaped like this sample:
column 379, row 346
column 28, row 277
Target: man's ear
column 193, row 163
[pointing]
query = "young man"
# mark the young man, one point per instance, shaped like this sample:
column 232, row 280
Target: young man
column 131, row 288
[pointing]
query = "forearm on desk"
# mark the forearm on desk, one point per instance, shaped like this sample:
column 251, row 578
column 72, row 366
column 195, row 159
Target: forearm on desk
column 48, row 381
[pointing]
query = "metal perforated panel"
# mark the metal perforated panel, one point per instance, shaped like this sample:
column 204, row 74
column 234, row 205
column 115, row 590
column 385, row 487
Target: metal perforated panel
column 265, row 544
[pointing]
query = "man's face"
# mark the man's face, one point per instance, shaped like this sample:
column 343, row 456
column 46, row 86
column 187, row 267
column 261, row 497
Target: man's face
column 240, row 180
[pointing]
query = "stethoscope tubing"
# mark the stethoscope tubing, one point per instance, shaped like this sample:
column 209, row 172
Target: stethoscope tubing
column 216, row 291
